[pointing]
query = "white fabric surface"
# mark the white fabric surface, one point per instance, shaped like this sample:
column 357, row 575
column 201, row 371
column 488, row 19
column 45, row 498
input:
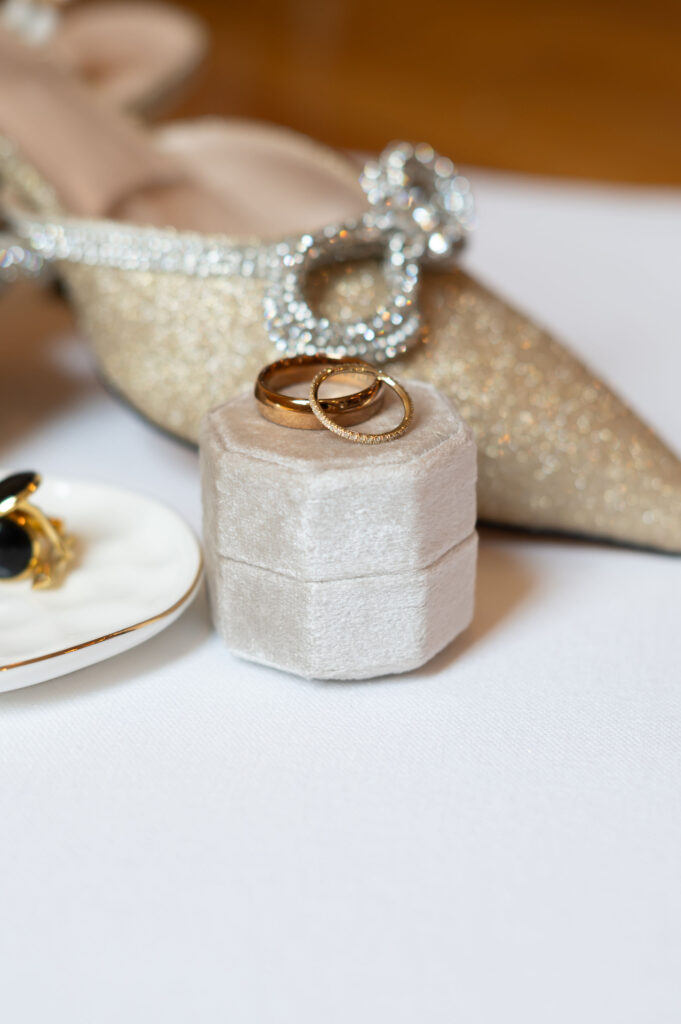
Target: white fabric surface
column 493, row 838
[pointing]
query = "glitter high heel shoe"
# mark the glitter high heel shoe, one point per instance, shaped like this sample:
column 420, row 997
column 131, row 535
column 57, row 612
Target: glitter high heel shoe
column 181, row 320
column 137, row 55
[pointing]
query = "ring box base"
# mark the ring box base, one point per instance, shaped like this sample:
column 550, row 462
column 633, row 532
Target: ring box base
column 345, row 629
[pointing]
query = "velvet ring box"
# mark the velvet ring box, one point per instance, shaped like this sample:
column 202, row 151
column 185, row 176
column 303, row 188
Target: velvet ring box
column 334, row 560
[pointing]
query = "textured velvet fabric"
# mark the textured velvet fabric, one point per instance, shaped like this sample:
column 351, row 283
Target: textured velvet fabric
column 335, row 560
column 344, row 629
column 312, row 506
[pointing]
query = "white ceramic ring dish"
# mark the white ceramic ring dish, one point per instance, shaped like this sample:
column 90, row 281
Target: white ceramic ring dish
column 137, row 567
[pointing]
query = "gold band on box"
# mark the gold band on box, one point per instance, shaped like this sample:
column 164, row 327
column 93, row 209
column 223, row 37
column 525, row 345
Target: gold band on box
column 292, row 411
column 357, row 436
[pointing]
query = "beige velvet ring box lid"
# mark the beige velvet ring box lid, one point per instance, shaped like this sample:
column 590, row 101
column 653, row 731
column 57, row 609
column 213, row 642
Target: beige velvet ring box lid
column 335, row 560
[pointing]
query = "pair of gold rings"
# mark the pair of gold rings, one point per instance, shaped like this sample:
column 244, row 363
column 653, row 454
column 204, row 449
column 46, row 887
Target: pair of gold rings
column 31, row 544
column 335, row 414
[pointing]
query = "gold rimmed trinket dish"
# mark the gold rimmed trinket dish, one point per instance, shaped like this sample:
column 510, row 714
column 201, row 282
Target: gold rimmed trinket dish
column 137, row 566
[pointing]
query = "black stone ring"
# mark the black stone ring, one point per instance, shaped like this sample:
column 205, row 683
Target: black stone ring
column 31, row 544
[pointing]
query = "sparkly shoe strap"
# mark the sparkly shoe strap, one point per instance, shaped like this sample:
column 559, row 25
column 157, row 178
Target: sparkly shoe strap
column 420, row 214
column 16, row 260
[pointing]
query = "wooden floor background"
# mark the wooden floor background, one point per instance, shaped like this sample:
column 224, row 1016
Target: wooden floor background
column 587, row 88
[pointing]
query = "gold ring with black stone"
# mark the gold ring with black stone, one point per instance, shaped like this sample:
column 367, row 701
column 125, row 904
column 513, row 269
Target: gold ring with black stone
column 32, row 545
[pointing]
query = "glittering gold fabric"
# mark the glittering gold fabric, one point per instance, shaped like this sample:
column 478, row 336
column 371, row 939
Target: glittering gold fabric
column 557, row 450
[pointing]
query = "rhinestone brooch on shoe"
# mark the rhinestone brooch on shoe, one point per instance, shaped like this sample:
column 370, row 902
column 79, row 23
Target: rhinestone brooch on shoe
column 420, row 213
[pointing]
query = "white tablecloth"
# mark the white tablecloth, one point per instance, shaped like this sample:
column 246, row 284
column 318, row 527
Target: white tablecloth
column 493, row 839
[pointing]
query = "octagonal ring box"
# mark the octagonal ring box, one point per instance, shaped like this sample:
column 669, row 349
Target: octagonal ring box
column 335, row 560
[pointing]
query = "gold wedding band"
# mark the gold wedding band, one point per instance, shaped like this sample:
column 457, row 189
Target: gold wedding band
column 317, row 406
column 31, row 544
column 291, row 411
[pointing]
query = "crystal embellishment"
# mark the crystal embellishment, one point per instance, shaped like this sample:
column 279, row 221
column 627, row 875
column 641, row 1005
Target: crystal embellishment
column 420, row 213
column 17, row 261
column 413, row 189
column 296, row 330
column 32, row 20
